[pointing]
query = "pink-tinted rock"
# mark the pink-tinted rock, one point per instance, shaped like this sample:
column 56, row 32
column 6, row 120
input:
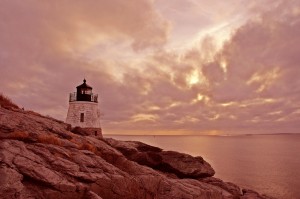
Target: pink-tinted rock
column 10, row 183
column 41, row 158
column 182, row 165
column 185, row 166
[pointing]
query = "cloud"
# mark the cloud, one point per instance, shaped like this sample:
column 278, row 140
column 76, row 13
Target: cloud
column 44, row 44
column 261, row 63
column 261, row 57
column 251, row 84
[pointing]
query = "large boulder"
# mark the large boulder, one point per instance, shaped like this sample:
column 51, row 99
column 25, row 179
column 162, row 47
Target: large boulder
column 184, row 165
column 180, row 164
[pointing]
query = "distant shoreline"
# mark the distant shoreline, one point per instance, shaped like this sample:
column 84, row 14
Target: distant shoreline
column 225, row 135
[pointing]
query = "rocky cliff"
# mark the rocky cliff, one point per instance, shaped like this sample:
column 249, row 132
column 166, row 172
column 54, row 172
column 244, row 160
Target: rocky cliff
column 41, row 158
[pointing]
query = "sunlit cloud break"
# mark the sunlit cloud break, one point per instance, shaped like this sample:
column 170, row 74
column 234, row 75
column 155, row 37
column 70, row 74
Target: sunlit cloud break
column 160, row 67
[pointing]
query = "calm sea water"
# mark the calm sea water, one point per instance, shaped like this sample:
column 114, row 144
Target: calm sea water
column 269, row 164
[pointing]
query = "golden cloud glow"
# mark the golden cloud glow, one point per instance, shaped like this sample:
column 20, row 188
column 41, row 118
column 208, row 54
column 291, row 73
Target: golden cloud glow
column 174, row 104
column 233, row 117
column 154, row 108
column 256, row 119
column 200, row 98
column 187, row 119
column 223, row 65
column 214, row 117
column 275, row 113
column 264, row 79
column 226, row 104
column 256, row 102
column 193, row 78
column 144, row 117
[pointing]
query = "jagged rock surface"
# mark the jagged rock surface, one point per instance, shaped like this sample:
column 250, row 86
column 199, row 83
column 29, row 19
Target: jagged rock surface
column 41, row 158
column 182, row 165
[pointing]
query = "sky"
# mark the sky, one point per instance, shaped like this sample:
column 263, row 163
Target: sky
column 159, row 67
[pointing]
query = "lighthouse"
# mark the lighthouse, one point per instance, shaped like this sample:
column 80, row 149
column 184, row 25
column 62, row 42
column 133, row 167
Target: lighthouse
column 84, row 111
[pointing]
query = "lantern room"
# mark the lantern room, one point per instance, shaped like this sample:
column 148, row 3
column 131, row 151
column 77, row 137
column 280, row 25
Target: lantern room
column 84, row 93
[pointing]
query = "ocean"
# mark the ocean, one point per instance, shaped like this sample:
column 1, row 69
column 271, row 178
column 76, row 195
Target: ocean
column 268, row 164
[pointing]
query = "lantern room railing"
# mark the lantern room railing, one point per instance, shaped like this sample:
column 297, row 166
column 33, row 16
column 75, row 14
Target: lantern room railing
column 83, row 97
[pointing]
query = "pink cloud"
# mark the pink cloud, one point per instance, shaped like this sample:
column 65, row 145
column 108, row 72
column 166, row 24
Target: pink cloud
column 250, row 85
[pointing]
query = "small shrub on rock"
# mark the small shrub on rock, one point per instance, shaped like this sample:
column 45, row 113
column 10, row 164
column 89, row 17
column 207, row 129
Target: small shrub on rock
column 87, row 146
column 49, row 139
column 5, row 102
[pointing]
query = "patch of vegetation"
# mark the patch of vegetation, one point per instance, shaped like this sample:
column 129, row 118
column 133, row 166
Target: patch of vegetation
column 18, row 135
column 87, row 146
column 84, row 145
column 49, row 139
column 5, row 102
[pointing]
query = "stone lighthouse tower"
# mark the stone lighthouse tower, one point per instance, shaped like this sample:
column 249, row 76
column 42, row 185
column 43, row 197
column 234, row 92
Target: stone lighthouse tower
column 83, row 110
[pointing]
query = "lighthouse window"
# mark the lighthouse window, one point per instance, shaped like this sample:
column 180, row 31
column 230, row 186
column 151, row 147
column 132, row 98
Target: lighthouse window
column 81, row 117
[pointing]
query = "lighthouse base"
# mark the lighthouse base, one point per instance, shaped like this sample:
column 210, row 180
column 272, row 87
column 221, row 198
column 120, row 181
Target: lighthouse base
column 95, row 132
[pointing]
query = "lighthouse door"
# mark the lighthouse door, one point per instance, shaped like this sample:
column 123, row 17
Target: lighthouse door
column 81, row 117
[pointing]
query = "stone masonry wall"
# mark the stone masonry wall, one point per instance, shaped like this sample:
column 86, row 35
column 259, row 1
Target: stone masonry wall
column 91, row 114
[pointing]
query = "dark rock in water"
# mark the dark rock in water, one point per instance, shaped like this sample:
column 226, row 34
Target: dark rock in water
column 249, row 194
column 41, row 158
column 231, row 188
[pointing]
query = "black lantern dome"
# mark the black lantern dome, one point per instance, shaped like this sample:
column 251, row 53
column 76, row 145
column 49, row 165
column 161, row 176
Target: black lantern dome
column 84, row 93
